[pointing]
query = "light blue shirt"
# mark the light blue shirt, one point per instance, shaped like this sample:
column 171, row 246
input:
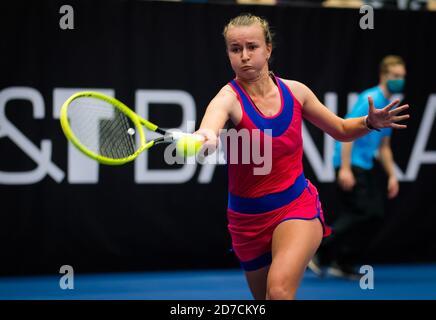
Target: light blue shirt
column 365, row 148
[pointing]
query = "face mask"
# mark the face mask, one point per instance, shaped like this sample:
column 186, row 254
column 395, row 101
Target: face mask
column 395, row 86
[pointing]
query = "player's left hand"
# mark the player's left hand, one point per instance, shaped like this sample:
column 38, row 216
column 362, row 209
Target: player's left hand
column 393, row 187
column 387, row 117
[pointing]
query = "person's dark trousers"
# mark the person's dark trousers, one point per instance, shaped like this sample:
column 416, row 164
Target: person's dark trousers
column 358, row 219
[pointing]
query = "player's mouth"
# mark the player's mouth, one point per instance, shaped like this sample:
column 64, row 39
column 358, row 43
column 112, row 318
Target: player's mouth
column 245, row 68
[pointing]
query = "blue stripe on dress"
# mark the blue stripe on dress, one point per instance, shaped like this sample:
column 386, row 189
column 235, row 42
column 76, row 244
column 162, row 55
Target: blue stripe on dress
column 278, row 124
column 268, row 202
column 257, row 263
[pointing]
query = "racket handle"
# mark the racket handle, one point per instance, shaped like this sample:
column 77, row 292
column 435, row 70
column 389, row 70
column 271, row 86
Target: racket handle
column 178, row 135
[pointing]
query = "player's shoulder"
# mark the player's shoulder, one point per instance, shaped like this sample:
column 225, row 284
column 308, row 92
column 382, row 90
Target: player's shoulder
column 295, row 85
column 226, row 94
column 297, row 88
column 227, row 90
column 290, row 82
column 225, row 98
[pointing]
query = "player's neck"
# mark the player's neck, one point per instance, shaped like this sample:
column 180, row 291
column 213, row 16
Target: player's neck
column 258, row 87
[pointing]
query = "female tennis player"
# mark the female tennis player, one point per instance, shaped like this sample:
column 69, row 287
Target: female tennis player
column 275, row 220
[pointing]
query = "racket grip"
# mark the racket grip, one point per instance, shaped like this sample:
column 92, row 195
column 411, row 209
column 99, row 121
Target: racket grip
column 178, row 135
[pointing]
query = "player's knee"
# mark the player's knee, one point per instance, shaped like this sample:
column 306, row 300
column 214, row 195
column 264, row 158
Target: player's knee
column 280, row 292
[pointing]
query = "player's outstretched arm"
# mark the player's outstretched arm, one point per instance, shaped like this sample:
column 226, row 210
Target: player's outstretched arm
column 347, row 130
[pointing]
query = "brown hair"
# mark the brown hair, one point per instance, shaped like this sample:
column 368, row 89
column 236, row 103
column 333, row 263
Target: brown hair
column 389, row 61
column 247, row 19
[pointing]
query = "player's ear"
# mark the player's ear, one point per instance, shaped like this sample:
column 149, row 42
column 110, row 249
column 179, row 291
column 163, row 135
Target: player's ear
column 269, row 50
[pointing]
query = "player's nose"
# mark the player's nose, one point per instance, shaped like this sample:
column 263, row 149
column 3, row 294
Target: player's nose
column 244, row 55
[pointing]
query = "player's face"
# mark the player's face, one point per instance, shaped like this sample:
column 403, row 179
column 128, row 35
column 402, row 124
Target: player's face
column 248, row 51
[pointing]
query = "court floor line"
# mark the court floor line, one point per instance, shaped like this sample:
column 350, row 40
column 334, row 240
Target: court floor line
column 390, row 282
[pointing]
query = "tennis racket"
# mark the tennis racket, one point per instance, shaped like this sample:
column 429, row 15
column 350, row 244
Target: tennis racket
column 106, row 130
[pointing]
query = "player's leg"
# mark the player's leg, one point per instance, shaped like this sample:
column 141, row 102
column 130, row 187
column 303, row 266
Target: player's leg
column 294, row 244
column 257, row 282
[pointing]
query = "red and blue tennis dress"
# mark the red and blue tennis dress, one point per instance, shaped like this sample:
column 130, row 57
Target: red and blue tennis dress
column 258, row 203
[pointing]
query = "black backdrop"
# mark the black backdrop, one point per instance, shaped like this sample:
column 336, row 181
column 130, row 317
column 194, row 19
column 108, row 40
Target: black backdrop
column 134, row 45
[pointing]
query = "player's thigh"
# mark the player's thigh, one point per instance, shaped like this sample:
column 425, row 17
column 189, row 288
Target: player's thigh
column 294, row 244
column 257, row 282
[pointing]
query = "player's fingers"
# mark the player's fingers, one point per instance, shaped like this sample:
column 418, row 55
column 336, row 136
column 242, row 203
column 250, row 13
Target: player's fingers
column 398, row 110
column 392, row 104
column 400, row 118
column 208, row 134
column 199, row 137
column 371, row 104
column 341, row 183
column 398, row 126
column 346, row 185
column 392, row 191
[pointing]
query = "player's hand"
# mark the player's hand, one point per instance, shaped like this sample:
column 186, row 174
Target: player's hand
column 210, row 143
column 393, row 187
column 346, row 179
column 387, row 117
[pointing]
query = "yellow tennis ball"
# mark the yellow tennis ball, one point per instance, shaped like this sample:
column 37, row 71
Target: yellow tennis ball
column 189, row 145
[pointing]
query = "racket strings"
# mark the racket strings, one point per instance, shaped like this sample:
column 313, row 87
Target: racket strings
column 116, row 142
column 102, row 128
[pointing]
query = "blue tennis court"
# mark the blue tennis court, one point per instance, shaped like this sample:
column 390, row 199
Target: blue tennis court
column 390, row 282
